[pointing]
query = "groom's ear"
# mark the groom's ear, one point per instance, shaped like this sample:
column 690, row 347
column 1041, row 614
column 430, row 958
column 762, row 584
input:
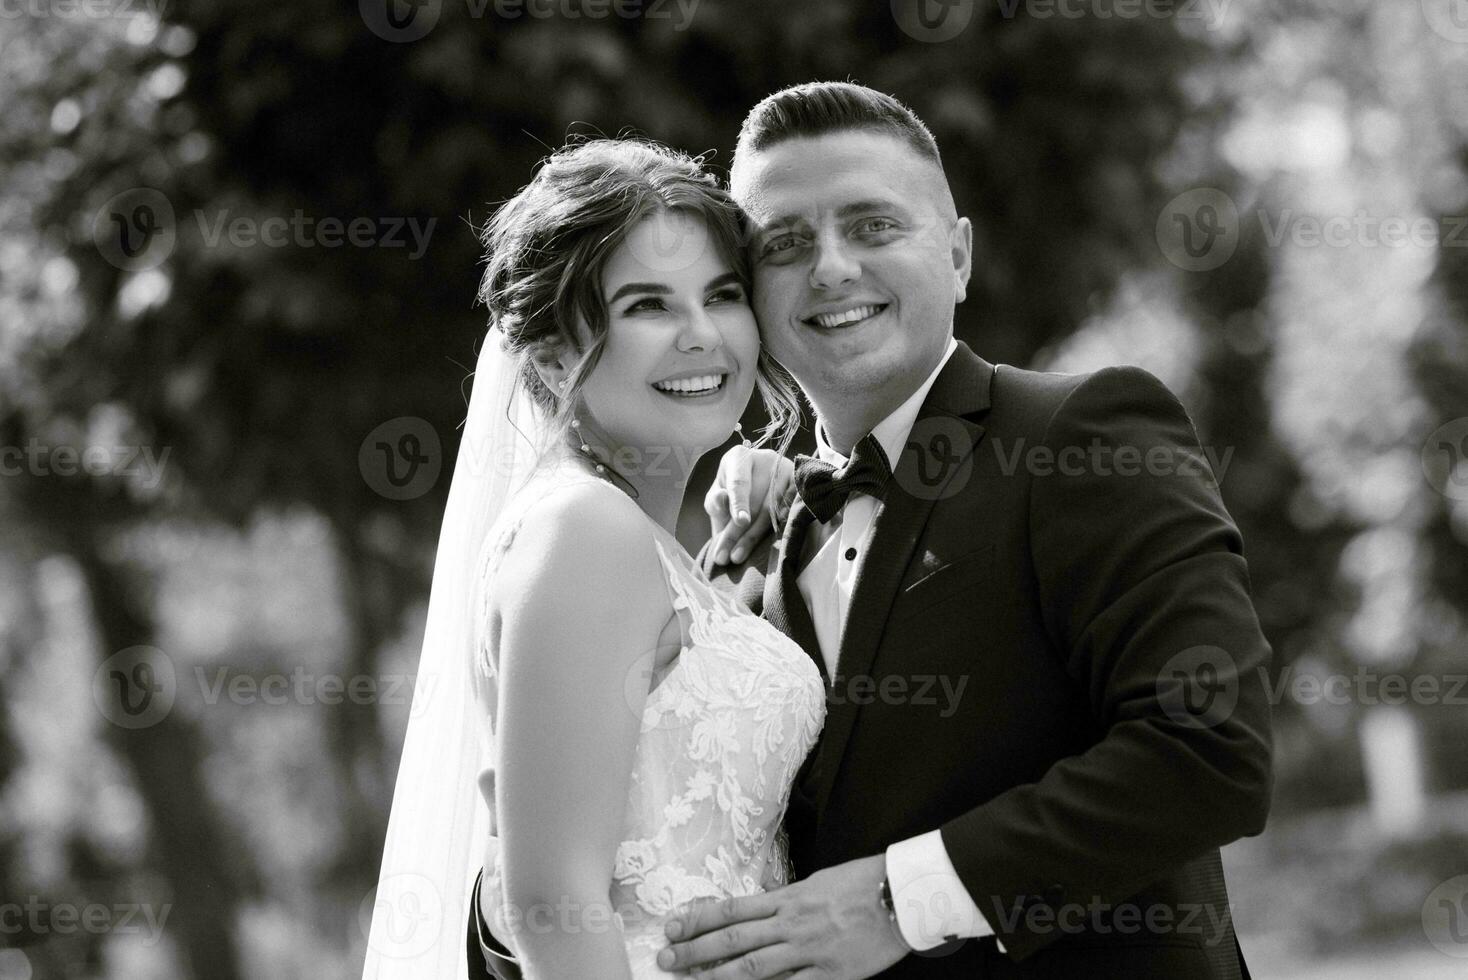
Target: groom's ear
column 961, row 246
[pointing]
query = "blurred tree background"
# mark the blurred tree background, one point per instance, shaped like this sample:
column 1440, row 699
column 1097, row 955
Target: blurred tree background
column 229, row 392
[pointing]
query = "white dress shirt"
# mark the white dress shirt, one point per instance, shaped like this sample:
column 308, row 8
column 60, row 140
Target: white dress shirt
column 929, row 898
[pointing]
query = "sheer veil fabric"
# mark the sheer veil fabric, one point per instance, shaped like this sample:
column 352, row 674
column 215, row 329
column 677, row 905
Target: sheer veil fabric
column 439, row 818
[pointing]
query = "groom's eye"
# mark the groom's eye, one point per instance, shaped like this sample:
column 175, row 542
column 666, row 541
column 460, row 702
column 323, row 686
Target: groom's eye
column 875, row 227
column 780, row 245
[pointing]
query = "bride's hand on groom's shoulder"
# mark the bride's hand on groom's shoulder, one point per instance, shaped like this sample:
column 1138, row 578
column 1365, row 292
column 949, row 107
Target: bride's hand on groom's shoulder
column 750, row 498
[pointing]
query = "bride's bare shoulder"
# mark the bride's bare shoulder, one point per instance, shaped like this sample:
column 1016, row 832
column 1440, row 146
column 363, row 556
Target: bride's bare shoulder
column 579, row 537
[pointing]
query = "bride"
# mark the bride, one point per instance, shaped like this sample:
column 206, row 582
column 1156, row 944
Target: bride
column 637, row 730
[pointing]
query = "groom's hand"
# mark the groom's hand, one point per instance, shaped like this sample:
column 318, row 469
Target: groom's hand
column 830, row 925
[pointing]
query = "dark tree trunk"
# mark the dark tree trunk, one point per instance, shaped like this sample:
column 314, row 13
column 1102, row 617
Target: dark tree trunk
column 190, row 843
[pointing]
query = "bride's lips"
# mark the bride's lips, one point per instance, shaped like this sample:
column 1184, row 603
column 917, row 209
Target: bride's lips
column 693, row 384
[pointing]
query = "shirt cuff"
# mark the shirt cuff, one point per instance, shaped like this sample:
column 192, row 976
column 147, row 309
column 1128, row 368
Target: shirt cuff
column 932, row 905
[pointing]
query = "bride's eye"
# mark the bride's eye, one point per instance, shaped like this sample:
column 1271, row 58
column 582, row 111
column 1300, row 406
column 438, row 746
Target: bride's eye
column 648, row 304
column 727, row 294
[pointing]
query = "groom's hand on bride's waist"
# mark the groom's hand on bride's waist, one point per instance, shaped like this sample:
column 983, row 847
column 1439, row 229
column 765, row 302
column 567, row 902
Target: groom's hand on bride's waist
column 833, row 922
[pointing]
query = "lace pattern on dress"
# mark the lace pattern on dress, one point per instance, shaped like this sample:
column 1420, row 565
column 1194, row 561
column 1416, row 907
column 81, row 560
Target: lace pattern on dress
column 722, row 736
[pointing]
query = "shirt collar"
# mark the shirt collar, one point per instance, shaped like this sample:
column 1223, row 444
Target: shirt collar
column 893, row 430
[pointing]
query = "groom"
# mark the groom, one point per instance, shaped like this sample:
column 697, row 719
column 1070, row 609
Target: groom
column 1045, row 712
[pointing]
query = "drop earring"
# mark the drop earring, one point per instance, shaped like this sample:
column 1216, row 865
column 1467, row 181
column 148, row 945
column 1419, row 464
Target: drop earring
column 584, row 449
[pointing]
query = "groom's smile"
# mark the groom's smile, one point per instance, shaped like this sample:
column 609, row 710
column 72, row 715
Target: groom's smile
column 848, row 317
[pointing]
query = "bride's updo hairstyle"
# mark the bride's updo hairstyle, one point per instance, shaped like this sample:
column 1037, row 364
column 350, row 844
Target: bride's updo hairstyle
column 546, row 247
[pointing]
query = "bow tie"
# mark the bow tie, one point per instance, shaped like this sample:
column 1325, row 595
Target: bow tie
column 824, row 488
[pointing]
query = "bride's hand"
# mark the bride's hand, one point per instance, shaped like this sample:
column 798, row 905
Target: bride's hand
column 750, row 497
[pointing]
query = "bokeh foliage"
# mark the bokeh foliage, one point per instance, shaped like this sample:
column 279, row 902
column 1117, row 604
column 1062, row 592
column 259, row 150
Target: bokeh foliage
column 261, row 369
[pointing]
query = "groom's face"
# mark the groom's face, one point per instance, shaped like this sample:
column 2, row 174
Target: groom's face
column 859, row 258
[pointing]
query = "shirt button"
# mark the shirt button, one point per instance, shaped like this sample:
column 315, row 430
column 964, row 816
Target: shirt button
column 850, row 554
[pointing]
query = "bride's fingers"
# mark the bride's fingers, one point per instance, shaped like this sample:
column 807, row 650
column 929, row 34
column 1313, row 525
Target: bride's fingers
column 754, row 535
column 737, row 479
column 767, row 520
column 732, row 484
column 716, row 506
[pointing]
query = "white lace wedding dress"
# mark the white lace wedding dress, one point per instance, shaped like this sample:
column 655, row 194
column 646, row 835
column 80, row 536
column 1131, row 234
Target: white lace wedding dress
column 724, row 731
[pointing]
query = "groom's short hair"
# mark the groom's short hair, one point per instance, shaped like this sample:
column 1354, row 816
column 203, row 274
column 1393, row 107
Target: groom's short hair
column 818, row 108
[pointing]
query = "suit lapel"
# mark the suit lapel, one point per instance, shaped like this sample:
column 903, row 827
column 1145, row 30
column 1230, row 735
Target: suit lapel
column 935, row 463
column 784, row 607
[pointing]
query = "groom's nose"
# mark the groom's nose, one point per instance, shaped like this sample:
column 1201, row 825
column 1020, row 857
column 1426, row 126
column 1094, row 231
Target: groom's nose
column 833, row 265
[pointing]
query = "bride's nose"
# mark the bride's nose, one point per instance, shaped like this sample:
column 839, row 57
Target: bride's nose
column 699, row 332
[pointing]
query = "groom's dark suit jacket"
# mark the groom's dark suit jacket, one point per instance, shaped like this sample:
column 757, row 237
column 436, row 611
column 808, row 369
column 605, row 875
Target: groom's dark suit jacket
column 1057, row 545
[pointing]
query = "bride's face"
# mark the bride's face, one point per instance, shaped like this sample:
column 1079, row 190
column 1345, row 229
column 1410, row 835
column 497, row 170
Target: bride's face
column 678, row 365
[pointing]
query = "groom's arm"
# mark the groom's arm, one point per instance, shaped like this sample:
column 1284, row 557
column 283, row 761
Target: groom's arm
column 1143, row 586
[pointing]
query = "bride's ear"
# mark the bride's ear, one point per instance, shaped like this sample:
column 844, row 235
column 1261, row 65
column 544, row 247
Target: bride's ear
column 553, row 365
